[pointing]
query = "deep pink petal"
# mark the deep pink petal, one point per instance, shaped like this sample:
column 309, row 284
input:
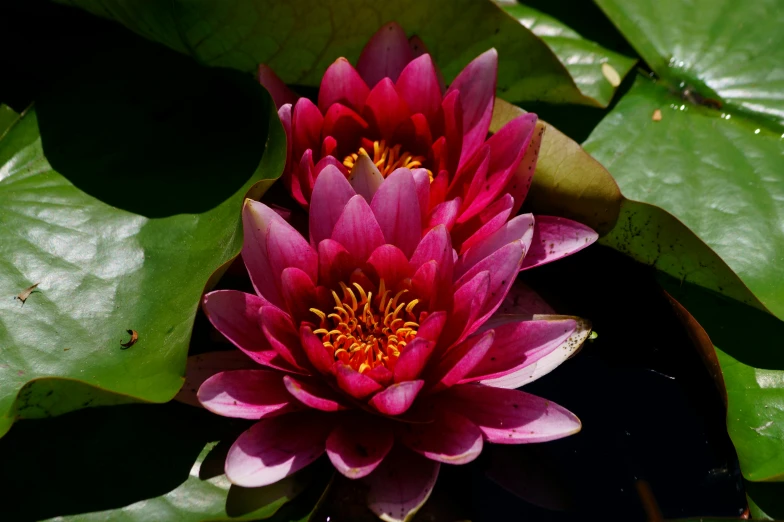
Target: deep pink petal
column 423, row 283
column 510, row 416
column 331, row 194
column 341, row 83
column 519, row 343
column 418, row 48
column 284, row 113
column 385, row 109
column 401, row 484
column 256, row 219
column 422, row 182
column 418, row 86
column 314, row 394
column 519, row 228
column 469, row 299
column 396, row 207
column 486, row 223
column 346, row 126
column 287, row 248
column 315, row 350
column 451, row 438
column 354, row 383
column 444, row 214
column 432, row 326
column 468, row 180
column 357, row 229
column 283, row 337
column 436, row 245
column 390, row 264
column 385, row 55
column 246, row 394
column 280, row 93
column 453, row 128
column 476, row 84
column 274, row 448
column 299, row 294
column 521, row 180
column 459, row 361
column 356, row 447
column 556, row 237
column 414, row 135
column 397, row 398
column 381, row 375
column 413, row 359
column 306, row 125
column 306, row 175
column 201, row 367
column 335, row 263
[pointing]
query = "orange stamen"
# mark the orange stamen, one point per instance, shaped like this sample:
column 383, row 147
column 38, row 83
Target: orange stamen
column 387, row 159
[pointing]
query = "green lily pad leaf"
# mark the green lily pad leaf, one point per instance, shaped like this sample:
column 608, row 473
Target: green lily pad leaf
column 299, row 40
column 596, row 71
column 120, row 195
column 7, row 118
column 765, row 500
column 141, row 463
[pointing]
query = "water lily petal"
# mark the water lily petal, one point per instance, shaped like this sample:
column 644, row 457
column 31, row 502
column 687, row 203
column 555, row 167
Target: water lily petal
column 335, row 263
column 520, row 181
column 274, row 448
column 236, row 315
column 396, row 207
column 341, row 83
column 432, row 326
column 476, row 83
column 510, row 416
column 280, row 93
column 444, row 214
column 365, row 178
column 356, row 447
column 314, row 394
column 485, row 223
column 384, row 109
column 401, row 485
column 451, row 438
column 459, row 361
column 391, row 265
column 357, row 229
column 436, row 245
column 201, row 367
column 413, row 359
column 555, row 238
column 287, row 248
column 414, row 135
column 282, row 335
column 315, row 351
column 330, row 196
column 306, row 126
column 385, row 55
column 422, row 182
column 396, row 398
column 519, row 343
column 423, row 283
column 418, row 86
column 346, row 126
column 256, row 219
column 518, row 228
column 246, row 394
column 299, row 294
column 354, row 383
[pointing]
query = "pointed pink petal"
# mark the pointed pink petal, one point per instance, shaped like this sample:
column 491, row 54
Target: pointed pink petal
column 453, row 128
column 418, row 86
column 280, row 93
column 519, row 228
column 381, row 375
column 438, row 188
column 342, row 84
column 390, row 264
column 510, row 416
column 556, row 237
column 418, row 48
column 414, row 135
column 305, row 174
column 314, row 394
column 486, row 223
column 385, row 55
column 236, row 315
column 299, row 294
column 401, row 485
column 469, row 299
column 273, row 449
column 422, row 182
column 284, row 113
column 306, row 125
column 354, row 383
column 459, row 361
column 246, row 394
column 256, row 219
column 396, row 208
column 431, row 327
column 397, row 398
column 365, row 178
column 357, row 447
column 346, row 126
column 331, row 193
column 282, row 335
column 521, row 180
column 476, row 84
column 357, row 229
column 315, row 350
column 201, row 367
column 450, row 438
column 385, row 109
column 468, row 180
column 413, row 359
column 335, row 263
column 287, row 248
column 436, row 245
column 423, row 283
column 519, row 343
column 444, row 214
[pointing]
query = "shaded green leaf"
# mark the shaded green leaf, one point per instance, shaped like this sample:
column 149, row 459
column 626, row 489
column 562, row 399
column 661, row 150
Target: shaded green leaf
column 120, row 194
column 299, row 40
column 583, row 58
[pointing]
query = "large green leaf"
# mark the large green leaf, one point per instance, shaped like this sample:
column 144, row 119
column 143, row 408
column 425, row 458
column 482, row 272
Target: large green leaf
column 704, row 142
column 590, row 64
column 120, row 195
column 300, row 39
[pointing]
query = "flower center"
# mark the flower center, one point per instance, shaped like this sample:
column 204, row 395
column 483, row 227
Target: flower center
column 370, row 331
column 387, row 159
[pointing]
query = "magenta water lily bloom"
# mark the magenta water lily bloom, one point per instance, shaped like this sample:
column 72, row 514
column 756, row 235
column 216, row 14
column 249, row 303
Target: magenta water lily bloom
column 381, row 345
column 392, row 111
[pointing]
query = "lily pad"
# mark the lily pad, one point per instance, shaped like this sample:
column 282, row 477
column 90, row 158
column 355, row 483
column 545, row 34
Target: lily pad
column 299, row 40
column 596, row 70
column 120, row 195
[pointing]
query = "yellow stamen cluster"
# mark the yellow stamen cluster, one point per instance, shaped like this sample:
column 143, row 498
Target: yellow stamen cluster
column 387, row 159
column 368, row 331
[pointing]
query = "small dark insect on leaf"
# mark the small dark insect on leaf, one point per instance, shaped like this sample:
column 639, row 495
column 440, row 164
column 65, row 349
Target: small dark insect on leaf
column 134, row 337
column 24, row 294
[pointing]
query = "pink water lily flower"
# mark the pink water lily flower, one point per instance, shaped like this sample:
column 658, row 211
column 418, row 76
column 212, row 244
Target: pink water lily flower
column 393, row 111
column 381, row 345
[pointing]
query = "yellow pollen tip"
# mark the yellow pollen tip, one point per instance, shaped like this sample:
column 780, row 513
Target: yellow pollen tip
column 387, row 159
